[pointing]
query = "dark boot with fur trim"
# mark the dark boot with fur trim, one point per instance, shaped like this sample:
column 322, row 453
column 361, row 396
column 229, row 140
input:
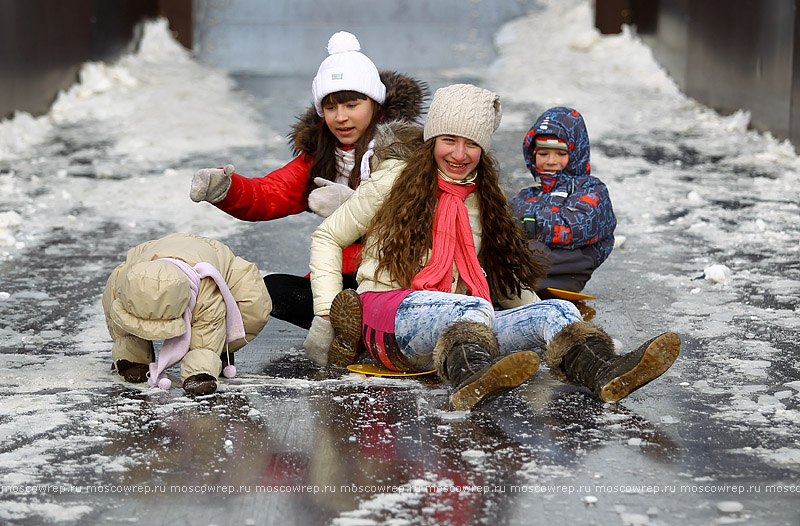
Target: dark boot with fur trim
column 467, row 356
column 346, row 316
column 583, row 354
column 134, row 373
column 200, row 384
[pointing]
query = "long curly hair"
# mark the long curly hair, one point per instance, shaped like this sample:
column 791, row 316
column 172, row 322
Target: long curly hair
column 402, row 229
column 324, row 156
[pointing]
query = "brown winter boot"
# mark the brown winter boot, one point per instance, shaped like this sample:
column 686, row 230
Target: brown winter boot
column 583, row 354
column 134, row 373
column 200, row 384
column 346, row 316
column 467, row 356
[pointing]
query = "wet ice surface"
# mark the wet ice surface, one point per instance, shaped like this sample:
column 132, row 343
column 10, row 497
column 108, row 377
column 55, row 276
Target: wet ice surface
column 708, row 247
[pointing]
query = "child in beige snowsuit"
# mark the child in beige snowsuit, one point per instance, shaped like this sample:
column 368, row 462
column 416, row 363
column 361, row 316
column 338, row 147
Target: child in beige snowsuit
column 193, row 293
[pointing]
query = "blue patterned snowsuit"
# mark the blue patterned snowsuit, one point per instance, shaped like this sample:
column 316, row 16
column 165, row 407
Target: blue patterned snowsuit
column 568, row 214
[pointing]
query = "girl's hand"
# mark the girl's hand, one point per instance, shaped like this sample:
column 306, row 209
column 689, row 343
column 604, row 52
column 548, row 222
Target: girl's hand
column 328, row 196
column 211, row 184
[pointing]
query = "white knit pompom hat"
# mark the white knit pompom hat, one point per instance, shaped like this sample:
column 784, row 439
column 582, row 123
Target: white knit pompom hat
column 346, row 70
column 466, row 111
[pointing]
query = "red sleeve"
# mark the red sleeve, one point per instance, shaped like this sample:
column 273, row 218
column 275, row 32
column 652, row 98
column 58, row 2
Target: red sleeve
column 278, row 194
column 351, row 259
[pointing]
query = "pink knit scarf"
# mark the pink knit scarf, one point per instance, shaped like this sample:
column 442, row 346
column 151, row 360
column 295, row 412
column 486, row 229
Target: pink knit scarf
column 174, row 349
column 452, row 240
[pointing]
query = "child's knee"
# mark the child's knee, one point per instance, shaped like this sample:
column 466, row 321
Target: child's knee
column 478, row 310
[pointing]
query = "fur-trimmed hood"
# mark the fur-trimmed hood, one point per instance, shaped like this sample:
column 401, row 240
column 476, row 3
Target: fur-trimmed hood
column 396, row 140
column 405, row 99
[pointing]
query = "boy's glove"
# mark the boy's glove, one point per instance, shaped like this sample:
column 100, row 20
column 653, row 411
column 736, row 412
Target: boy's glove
column 211, row 184
column 328, row 196
column 318, row 340
column 529, row 226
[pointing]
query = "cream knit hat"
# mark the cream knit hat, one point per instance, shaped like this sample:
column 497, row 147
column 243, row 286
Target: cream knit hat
column 346, row 70
column 464, row 110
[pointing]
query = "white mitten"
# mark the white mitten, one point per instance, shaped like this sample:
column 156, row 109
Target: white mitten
column 328, row 196
column 211, row 184
column 318, row 341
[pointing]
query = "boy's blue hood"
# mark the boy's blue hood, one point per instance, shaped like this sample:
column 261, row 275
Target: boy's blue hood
column 566, row 124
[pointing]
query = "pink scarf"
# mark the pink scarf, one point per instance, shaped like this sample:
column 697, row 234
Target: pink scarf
column 452, row 240
column 174, row 349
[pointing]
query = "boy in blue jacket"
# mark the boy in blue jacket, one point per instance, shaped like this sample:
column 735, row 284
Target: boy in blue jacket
column 567, row 213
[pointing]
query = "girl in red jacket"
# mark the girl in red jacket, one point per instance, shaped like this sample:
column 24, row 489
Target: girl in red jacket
column 332, row 142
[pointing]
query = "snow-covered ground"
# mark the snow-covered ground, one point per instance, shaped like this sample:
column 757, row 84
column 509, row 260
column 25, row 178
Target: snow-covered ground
column 708, row 246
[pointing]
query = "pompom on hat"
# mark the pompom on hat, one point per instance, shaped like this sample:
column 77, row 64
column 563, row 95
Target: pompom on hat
column 466, row 111
column 346, row 69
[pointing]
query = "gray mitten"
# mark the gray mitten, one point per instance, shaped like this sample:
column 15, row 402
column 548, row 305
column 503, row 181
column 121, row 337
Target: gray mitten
column 211, row 184
column 328, row 196
column 318, row 341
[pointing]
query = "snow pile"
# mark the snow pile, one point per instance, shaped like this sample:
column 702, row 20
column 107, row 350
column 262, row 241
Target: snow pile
column 718, row 274
column 157, row 103
column 526, row 71
column 144, row 115
column 9, row 224
column 20, row 133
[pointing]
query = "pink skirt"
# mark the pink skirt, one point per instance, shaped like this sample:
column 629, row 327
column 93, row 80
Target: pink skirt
column 379, row 311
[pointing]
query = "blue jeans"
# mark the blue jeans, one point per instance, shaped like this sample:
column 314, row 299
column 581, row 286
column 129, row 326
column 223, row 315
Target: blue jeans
column 424, row 314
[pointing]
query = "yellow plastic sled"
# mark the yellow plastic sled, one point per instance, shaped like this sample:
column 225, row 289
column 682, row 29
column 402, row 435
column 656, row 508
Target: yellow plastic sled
column 377, row 370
